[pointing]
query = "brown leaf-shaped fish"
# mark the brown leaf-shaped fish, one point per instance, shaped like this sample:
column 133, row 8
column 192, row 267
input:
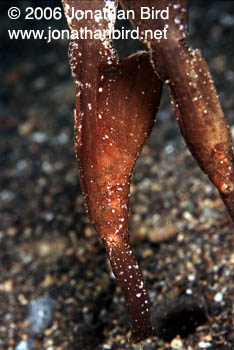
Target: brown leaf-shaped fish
column 115, row 110
column 195, row 100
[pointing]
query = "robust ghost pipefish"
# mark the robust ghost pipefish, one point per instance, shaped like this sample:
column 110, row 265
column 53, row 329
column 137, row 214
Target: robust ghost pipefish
column 116, row 103
column 115, row 109
column 195, row 101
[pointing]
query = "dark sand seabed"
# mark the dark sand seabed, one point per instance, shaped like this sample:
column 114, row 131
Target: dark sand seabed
column 181, row 233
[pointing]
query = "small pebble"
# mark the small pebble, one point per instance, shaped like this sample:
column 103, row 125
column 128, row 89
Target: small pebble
column 191, row 277
column 176, row 343
column 218, row 297
column 27, row 344
column 189, row 291
column 204, row 345
column 41, row 315
column 38, row 137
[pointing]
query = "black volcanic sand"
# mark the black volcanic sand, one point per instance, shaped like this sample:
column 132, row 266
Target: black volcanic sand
column 181, row 233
